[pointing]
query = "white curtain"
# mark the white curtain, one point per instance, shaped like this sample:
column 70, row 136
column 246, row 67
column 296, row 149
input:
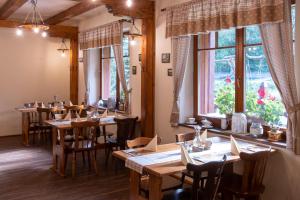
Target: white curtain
column 91, row 64
column 118, row 52
column 180, row 51
column 278, row 46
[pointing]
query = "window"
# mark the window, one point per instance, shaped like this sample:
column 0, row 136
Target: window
column 233, row 76
column 110, row 83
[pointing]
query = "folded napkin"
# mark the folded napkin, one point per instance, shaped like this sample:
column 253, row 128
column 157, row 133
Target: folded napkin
column 35, row 105
column 43, row 105
column 77, row 116
column 152, row 145
column 185, row 157
column 235, row 149
column 104, row 114
column 68, row 116
column 70, row 103
column 204, row 136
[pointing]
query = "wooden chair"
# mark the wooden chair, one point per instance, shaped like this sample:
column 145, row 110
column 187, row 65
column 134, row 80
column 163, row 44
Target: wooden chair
column 84, row 134
column 209, row 190
column 249, row 184
column 125, row 131
column 42, row 128
column 75, row 109
column 183, row 137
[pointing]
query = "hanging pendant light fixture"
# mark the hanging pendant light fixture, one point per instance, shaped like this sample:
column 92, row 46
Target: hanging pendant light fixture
column 63, row 48
column 133, row 33
column 33, row 22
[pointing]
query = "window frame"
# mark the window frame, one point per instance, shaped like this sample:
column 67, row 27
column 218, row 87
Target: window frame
column 118, row 88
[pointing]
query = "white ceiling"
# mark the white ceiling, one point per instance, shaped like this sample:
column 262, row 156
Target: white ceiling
column 47, row 8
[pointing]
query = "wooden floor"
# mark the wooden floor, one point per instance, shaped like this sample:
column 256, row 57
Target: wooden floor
column 25, row 174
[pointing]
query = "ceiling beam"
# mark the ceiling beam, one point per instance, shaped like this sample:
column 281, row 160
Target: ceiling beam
column 10, row 7
column 74, row 11
column 54, row 30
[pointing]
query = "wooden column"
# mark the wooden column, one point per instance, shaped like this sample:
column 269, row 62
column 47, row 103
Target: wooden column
column 148, row 77
column 74, row 70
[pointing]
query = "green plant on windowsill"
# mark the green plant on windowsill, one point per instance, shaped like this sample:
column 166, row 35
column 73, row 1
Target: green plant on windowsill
column 225, row 99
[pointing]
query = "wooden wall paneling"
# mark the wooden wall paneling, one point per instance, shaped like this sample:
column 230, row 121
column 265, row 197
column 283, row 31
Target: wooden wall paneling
column 148, row 77
column 74, row 70
column 239, row 72
column 195, row 75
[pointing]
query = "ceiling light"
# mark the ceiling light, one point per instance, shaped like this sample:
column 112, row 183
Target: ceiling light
column 63, row 48
column 129, row 3
column 133, row 33
column 19, row 32
column 34, row 20
column 44, row 34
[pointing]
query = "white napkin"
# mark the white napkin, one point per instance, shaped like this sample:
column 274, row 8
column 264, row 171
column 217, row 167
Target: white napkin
column 204, row 136
column 185, row 157
column 235, row 149
column 77, row 116
column 70, row 103
column 43, row 105
column 68, row 116
column 36, row 104
column 152, row 145
column 104, row 114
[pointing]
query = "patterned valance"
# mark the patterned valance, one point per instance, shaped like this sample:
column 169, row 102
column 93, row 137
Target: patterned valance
column 102, row 36
column 201, row 16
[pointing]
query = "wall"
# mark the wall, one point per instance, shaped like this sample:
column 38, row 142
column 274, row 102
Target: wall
column 135, row 80
column 164, row 83
column 31, row 69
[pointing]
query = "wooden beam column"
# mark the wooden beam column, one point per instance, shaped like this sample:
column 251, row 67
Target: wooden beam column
column 148, row 77
column 74, row 70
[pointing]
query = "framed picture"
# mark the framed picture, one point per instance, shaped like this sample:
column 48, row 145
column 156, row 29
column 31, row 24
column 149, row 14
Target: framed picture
column 80, row 59
column 134, row 70
column 170, row 72
column 140, row 57
column 165, row 57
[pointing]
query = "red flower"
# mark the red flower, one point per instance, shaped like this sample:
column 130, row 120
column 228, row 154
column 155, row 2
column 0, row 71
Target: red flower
column 272, row 98
column 260, row 102
column 262, row 91
column 228, row 80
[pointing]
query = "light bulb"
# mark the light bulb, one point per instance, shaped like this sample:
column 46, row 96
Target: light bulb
column 19, row 32
column 36, row 30
column 133, row 42
column 129, row 3
column 63, row 54
column 44, row 34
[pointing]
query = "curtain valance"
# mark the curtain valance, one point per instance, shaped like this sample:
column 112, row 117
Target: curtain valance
column 201, row 16
column 102, row 36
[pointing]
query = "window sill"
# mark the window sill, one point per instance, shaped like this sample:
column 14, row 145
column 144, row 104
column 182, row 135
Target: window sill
column 248, row 137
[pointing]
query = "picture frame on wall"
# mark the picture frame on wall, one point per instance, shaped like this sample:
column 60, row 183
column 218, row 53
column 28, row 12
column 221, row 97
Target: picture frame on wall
column 133, row 70
column 165, row 57
column 170, row 72
column 140, row 57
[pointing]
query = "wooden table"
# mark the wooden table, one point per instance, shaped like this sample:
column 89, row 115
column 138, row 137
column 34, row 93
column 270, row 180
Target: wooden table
column 60, row 127
column 157, row 171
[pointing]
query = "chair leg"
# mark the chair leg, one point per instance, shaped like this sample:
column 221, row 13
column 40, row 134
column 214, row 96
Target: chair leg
column 94, row 162
column 182, row 180
column 83, row 157
column 89, row 159
column 107, row 155
column 74, row 164
column 66, row 160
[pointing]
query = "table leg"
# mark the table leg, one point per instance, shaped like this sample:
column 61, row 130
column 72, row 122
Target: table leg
column 62, row 152
column 134, row 185
column 25, row 128
column 155, row 183
column 54, row 153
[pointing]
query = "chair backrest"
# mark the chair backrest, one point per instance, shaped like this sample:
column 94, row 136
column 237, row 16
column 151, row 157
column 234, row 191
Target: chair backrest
column 183, row 137
column 254, row 169
column 125, row 130
column 44, row 114
column 214, row 171
column 84, row 134
column 75, row 109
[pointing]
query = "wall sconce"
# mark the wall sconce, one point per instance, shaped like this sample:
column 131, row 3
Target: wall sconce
column 63, row 49
column 133, row 33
